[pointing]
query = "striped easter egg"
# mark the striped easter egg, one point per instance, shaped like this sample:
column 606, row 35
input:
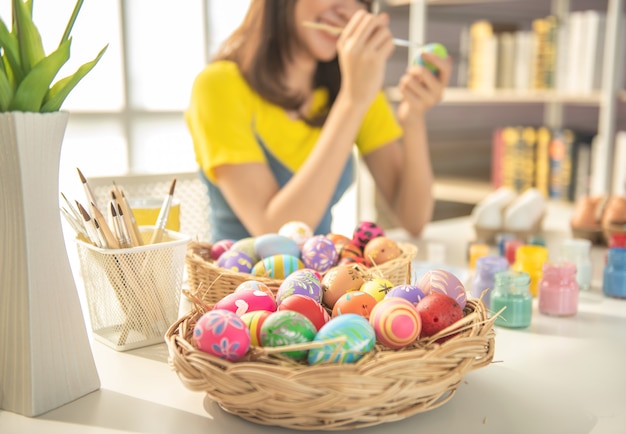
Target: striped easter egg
column 277, row 266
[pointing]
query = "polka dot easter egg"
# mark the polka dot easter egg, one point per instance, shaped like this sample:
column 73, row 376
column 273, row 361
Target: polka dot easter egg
column 319, row 253
column 223, row 334
column 366, row 231
column 380, row 250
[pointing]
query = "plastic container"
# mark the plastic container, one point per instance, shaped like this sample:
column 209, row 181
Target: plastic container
column 483, row 282
column 511, row 290
column 531, row 258
column 133, row 294
column 558, row 289
column 614, row 276
column 578, row 251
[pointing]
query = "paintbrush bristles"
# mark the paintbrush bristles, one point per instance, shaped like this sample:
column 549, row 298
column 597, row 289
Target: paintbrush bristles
column 172, row 187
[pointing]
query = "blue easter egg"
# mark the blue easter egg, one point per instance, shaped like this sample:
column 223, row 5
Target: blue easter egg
column 359, row 334
column 274, row 244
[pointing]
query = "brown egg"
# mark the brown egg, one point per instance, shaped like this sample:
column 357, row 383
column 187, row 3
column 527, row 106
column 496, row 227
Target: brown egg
column 380, row 250
column 339, row 280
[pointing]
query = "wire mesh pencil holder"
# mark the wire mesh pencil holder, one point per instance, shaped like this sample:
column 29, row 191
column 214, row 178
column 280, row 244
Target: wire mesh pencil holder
column 133, row 294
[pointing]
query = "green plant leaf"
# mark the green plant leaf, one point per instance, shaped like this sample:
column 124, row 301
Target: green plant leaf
column 6, row 91
column 30, row 45
column 61, row 89
column 70, row 24
column 32, row 90
column 11, row 50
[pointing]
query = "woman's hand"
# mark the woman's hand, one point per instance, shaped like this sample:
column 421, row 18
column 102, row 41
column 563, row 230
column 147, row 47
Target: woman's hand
column 421, row 89
column 363, row 49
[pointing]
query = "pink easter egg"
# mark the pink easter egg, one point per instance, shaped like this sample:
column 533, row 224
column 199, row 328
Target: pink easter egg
column 366, row 231
column 223, row 334
column 444, row 282
column 247, row 301
column 396, row 322
column 220, row 247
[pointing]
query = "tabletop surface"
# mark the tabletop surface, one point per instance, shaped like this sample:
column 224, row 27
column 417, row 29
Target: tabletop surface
column 560, row 375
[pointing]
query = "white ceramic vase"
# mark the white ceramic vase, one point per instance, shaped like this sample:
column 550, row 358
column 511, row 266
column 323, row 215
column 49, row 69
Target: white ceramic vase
column 45, row 354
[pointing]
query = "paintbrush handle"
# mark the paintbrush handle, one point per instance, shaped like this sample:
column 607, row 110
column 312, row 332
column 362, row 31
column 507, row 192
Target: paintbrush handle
column 336, row 31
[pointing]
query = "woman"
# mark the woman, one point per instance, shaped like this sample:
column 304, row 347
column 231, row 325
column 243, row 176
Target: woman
column 276, row 114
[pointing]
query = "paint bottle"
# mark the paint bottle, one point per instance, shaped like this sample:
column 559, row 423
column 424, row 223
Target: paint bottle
column 614, row 275
column 483, row 282
column 530, row 258
column 512, row 290
column 578, row 251
column 558, row 289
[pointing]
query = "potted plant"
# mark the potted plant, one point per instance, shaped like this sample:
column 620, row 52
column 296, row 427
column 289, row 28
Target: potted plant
column 47, row 359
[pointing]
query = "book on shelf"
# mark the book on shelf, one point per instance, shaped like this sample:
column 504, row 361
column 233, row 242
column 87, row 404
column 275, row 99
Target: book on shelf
column 619, row 165
column 556, row 161
column 564, row 55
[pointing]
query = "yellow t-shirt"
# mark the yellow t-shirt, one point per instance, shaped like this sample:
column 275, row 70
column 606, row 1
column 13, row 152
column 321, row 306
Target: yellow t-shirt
column 227, row 118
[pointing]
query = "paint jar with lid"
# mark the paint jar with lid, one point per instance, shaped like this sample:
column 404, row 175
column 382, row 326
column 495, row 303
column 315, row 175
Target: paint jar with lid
column 483, row 282
column 511, row 290
column 614, row 275
column 530, row 259
column 558, row 289
column 578, row 251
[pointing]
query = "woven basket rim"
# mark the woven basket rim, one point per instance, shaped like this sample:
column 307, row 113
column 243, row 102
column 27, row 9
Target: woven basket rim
column 230, row 385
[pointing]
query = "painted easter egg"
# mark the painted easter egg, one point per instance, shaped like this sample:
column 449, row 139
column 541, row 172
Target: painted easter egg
column 246, row 245
column 308, row 307
column 319, row 253
column 366, row 231
column 339, row 280
column 339, row 240
column 223, row 334
column 396, row 322
column 274, row 244
column 235, row 260
column 412, row 293
column 357, row 302
column 220, row 247
column 287, row 327
column 305, row 282
column 359, row 339
column 246, row 301
column 254, row 320
column 444, row 282
column 380, row 250
column 438, row 311
column 277, row 266
column 435, row 48
column 377, row 287
column 351, row 250
column 255, row 285
column 297, row 231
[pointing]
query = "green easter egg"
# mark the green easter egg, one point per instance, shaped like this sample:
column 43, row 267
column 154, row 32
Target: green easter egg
column 435, row 48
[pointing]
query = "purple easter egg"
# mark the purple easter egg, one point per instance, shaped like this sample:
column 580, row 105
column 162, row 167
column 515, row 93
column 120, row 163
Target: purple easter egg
column 319, row 253
column 235, row 260
column 305, row 282
column 412, row 293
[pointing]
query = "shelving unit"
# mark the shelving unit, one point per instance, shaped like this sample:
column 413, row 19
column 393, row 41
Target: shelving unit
column 552, row 103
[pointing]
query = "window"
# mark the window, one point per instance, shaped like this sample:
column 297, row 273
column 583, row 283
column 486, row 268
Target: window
column 126, row 115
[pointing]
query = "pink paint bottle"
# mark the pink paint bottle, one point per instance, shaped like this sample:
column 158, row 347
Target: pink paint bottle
column 558, row 289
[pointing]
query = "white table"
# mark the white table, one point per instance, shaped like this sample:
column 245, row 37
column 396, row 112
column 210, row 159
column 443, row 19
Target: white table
column 560, row 375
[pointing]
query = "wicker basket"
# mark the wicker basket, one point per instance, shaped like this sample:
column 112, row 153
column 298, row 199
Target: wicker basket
column 215, row 282
column 385, row 385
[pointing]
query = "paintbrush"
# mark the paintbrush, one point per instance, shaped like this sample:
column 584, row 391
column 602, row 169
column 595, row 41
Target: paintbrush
column 128, row 216
column 91, row 198
column 159, row 229
column 336, row 31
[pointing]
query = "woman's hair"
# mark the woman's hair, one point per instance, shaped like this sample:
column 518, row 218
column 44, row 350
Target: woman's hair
column 262, row 45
